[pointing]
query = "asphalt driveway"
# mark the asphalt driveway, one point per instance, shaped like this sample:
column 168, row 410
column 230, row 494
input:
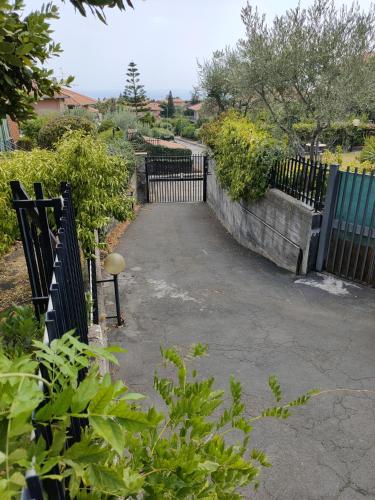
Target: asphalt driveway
column 187, row 280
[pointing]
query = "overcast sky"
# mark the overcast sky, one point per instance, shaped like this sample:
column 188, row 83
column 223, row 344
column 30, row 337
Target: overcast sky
column 164, row 38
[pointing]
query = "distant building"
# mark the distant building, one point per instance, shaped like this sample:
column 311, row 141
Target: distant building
column 63, row 101
column 154, row 108
column 179, row 102
column 195, row 109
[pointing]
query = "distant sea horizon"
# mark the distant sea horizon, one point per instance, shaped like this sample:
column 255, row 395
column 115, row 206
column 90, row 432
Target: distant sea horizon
column 151, row 94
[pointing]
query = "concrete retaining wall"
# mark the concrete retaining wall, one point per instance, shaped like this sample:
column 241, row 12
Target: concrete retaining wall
column 279, row 227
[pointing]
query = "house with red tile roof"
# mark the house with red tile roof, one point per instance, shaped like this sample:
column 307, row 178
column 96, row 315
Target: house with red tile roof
column 154, row 108
column 64, row 100
column 195, row 108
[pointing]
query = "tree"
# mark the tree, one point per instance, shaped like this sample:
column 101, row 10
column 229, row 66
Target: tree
column 26, row 46
column 168, row 108
column 134, row 93
column 195, row 96
column 311, row 64
column 223, row 81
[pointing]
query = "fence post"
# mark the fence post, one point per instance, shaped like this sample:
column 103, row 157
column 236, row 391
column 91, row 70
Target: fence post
column 205, row 172
column 328, row 214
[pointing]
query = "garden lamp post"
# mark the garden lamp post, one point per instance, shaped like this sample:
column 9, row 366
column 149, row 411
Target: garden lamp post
column 114, row 264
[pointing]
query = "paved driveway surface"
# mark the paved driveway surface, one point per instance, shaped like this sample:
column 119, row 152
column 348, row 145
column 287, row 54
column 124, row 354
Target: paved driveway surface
column 187, row 280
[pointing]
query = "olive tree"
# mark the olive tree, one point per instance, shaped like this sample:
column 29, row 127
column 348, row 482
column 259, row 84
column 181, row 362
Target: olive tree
column 223, row 81
column 312, row 64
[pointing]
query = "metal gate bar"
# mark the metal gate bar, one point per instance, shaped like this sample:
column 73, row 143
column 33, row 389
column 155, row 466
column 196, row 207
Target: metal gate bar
column 176, row 179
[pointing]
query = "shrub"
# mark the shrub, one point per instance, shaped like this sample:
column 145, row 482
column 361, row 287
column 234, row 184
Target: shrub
column 179, row 123
column 244, row 155
column 54, row 129
column 99, row 182
column 165, row 123
column 118, row 146
column 162, row 133
column 188, row 131
column 25, row 143
column 368, row 151
column 341, row 133
column 154, row 150
column 126, row 120
column 18, row 329
column 127, row 451
column 336, row 157
column 28, row 167
column 106, row 125
column 31, row 128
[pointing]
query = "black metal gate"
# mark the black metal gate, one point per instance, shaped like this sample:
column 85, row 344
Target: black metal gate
column 176, row 178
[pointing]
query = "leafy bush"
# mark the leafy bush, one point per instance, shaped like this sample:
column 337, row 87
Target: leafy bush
column 126, row 120
column 165, row 123
column 330, row 157
column 18, row 329
column 368, row 151
column 106, row 125
column 188, row 131
column 28, row 167
column 127, row 451
column 25, row 143
column 119, row 147
column 341, row 133
column 179, row 123
column 244, row 155
column 155, row 150
column 162, row 133
column 54, row 129
column 31, row 128
column 99, row 182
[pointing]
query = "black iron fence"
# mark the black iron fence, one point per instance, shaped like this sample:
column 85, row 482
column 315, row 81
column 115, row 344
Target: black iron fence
column 301, row 179
column 50, row 243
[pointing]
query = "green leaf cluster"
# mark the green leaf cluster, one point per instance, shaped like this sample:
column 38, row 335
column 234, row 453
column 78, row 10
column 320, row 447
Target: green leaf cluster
column 368, row 151
column 99, row 183
column 54, row 129
column 18, row 328
column 244, row 154
column 25, row 46
column 127, row 449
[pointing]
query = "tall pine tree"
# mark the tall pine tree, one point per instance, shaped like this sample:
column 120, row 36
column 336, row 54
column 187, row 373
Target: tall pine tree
column 134, row 93
column 167, row 108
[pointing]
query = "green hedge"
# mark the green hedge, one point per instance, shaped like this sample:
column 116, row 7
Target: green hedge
column 54, row 129
column 342, row 134
column 98, row 179
column 244, row 155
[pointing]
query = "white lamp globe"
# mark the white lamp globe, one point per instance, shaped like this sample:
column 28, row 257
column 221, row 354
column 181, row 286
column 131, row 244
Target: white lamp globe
column 356, row 122
column 114, row 263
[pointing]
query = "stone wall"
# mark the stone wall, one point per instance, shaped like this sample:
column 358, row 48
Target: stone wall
column 279, row 227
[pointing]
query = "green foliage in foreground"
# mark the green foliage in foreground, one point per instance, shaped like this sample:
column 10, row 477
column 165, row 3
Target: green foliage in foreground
column 25, row 46
column 99, row 183
column 244, row 155
column 18, row 328
column 127, row 450
column 368, row 151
